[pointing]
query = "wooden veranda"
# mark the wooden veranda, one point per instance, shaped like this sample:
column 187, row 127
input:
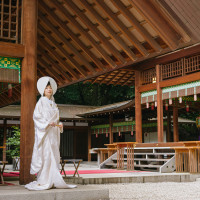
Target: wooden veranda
column 122, row 42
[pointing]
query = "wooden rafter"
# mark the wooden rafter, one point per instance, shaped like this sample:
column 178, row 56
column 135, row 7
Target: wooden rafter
column 50, row 70
column 85, row 33
column 122, row 27
column 54, row 64
column 123, row 9
column 74, row 37
column 128, row 79
column 93, row 28
column 57, row 56
column 105, row 77
column 155, row 18
column 110, row 81
column 109, row 30
column 64, row 52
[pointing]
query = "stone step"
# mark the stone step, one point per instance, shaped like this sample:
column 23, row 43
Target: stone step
column 143, row 159
column 154, row 154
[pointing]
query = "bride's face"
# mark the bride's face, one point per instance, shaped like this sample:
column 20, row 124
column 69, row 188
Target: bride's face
column 48, row 92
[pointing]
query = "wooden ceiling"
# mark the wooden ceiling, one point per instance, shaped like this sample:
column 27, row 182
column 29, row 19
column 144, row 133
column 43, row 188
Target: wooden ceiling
column 94, row 40
column 82, row 39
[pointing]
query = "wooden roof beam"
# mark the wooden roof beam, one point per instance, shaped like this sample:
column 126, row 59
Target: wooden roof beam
column 122, row 27
column 128, row 79
column 137, row 25
column 64, row 52
column 110, row 81
column 109, row 30
column 51, row 52
column 104, row 78
column 84, row 32
column 120, row 79
column 51, row 71
column 55, row 66
column 8, row 49
column 93, row 28
column 73, row 36
column 57, row 56
column 155, row 18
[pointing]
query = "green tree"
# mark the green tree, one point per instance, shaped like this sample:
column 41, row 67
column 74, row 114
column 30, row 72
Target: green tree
column 13, row 143
column 93, row 94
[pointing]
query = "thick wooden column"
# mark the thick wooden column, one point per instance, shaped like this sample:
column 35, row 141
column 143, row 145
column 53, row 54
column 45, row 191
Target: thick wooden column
column 138, row 108
column 89, row 142
column 110, row 128
column 4, row 138
column 175, row 122
column 159, row 105
column 28, row 88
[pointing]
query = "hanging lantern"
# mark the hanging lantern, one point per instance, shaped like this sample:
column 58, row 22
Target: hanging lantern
column 195, row 97
column 147, row 105
column 170, row 101
column 96, row 135
column 9, row 90
column 131, row 133
column 155, row 103
column 166, row 106
column 152, row 106
column 106, row 134
column 119, row 134
column 180, row 99
column 187, row 108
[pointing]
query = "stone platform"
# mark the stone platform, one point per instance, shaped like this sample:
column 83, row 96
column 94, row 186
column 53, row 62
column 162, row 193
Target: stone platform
column 132, row 177
column 82, row 192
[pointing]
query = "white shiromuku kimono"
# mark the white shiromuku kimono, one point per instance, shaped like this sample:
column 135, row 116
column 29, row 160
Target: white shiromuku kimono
column 46, row 154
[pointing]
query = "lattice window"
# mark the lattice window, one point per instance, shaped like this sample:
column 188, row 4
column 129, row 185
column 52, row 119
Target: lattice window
column 192, row 64
column 149, row 76
column 10, row 12
column 172, row 70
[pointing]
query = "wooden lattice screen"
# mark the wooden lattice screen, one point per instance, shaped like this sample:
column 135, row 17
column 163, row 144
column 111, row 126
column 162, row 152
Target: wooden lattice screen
column 10, row 13
column 181, row 67
column 148, row 76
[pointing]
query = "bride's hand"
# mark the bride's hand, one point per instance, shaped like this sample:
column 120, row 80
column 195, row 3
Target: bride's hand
column 52, row 124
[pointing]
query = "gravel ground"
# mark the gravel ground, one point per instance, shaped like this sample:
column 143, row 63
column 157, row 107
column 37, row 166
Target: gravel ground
column 154, row 191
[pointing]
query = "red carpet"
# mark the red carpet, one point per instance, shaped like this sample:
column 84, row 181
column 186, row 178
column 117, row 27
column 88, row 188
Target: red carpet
column 98, row 171
column 71, row 172
column 11, row 174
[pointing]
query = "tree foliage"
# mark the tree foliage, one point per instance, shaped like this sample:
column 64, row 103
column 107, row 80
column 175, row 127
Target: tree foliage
column 93, row 94
column 13, row 143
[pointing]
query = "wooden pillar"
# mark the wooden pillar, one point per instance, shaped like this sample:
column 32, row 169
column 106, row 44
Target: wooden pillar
column 159, row 105
column 168, row 127
column 28, row 88
column 138, row 108
column 89, row 142
column 110, row 128
column 175, row 122
column 4, row 138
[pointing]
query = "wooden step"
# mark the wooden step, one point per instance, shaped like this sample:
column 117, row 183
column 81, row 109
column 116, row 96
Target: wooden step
column 148, row 166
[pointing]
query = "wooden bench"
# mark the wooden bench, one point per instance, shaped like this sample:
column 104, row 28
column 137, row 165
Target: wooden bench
column 2, row 170
column 187, row 159
column 76, row 163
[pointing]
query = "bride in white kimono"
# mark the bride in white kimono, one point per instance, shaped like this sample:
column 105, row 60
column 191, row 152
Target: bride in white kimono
column 46, row 154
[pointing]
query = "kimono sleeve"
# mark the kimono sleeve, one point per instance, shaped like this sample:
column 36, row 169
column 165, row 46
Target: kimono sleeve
column 39, row 120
